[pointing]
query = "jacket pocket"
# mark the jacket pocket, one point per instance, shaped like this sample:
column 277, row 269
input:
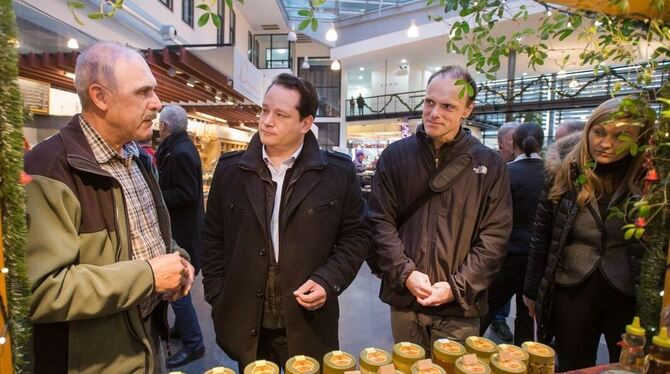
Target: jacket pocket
column 236, row 207
column 322, row 207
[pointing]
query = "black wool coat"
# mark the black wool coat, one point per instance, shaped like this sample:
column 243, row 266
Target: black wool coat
column 323, row 237
column 180, row 179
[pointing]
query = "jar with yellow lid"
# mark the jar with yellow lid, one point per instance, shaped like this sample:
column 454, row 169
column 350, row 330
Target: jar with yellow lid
column 302, row 365
column 516, row 352
column 509, row 366
column 426, row 367
column 406, row 354
column 220, row 370
column 446, row 352
column 541, row 358
column 482, row 347
column 371, row 359
column 338, row 362
column 261, row 367
column 476, row 367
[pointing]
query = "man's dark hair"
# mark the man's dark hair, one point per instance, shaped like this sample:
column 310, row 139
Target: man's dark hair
column 309, row 100
column 573, row 125
column 456, row 72
column 529, row 138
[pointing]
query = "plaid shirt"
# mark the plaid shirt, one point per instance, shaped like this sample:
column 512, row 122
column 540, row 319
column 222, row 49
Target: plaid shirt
column 145, row 235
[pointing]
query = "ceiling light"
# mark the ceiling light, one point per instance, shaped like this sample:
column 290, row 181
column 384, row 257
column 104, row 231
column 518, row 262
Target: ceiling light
column 172, row 72
column 361, row 68
column 403, row 61
column 360, row 77
column 549, row 13
column 335, row 65
column 524, row 74
column 69, row 75
column 72, row 43
column 331, row 35
column 190, row 82
column 292, row 36
column 305, row 63
column 413, row 31
column 218, row 95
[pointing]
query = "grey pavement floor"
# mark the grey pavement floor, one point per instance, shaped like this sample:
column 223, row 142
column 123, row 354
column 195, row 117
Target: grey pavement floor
column 364, row 322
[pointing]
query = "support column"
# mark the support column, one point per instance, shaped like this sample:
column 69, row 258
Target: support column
column 511, row 72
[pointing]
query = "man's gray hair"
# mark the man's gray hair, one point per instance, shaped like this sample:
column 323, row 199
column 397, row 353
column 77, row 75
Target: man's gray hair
column 175, row 118
column 573, row 125
column 96, row 65
column 505, row 128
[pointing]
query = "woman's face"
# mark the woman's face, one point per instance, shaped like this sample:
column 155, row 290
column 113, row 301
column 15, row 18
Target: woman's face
column 605, row 143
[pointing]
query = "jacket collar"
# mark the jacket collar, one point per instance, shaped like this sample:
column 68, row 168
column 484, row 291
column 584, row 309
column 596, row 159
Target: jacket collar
column 463, row 134
column 79, row 153
column 310, row 157
column 169, row 143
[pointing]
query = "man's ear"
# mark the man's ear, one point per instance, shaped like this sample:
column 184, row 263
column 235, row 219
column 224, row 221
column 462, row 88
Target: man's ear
column 307, row 123
column 468, row 109
column 99, row 96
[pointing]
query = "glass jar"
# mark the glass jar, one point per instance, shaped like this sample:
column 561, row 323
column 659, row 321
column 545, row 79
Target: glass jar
column 406, row 354
column 482, row 347
column 338, row 362
column 542, row 358
column 446, row 352
column 371, row 359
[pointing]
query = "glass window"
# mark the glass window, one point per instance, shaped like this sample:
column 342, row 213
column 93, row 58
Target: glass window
column 221, row 34
column 231, row 39
column 187, row 11
column 329, row 134
column 250, row 47
column 327, row 85
column 167, row 3
column 276, row 52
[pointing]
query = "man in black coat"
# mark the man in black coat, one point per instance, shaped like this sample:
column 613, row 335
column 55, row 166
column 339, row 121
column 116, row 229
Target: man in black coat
column 180, row 179
column 284, row 235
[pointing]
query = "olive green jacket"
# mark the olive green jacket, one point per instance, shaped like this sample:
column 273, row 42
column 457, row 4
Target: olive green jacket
column 86, row 289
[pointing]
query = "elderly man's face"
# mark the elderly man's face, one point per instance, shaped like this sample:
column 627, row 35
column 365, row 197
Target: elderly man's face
column 506, row 146
column 133, row 104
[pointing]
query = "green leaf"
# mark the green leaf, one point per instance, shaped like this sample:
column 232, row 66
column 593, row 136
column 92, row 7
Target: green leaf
column 639, row 232
column 204, row 7
column 315, row 24
column 643, row 211
column 303, row 24
column 96, row 15
column 304, row 13
column 629, row 234
column 230, row 3
column 202, row 21
column 118, row 4
column 217, row 20
column 581, row 179
column 471, row 90
column 461, row 92
column 76, row 4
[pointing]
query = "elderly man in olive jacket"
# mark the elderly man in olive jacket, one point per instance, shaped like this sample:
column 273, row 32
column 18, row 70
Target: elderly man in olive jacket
column 284, row 235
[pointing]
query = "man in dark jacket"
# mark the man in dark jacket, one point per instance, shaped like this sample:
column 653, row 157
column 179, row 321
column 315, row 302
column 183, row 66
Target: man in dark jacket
column 437, row 265
column 180, row 172
column 284, row 235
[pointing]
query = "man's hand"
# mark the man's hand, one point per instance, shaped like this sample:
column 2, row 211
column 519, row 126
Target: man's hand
column 310, row 295
column 418, row 284
column 530, row 304
column 187, row 283
column 441, row 295
column 171, row 273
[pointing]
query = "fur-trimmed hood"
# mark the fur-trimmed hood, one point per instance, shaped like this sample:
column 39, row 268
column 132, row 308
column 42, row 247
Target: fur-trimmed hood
column 557, row 152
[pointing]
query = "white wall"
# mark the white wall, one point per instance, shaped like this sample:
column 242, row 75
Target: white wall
column 63, row 103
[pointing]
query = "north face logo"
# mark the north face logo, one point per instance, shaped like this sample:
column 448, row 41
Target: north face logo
column 480, row 169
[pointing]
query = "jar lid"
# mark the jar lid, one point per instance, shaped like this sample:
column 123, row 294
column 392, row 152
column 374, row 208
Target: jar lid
column 375, row 356
column 302, row 364
column 508, row 366
column 662, row 339
column 634, row 328
column 409, row 350
column 339, row 360
column 539, row 351
column 516, row 352
column 426, row 367
column 220, row 370
column 449, row 347
column 472, row 366
column 261, row 367
column 480, row 345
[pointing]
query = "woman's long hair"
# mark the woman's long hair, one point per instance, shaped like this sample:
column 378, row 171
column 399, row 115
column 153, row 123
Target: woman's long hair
column 593, row 187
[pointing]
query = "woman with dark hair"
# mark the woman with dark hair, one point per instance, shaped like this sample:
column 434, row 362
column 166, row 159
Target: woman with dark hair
column 526, row 176
column 581, row 276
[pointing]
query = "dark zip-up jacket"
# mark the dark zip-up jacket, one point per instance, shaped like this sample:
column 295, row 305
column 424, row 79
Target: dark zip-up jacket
column 458, row 236
column 86, row 290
